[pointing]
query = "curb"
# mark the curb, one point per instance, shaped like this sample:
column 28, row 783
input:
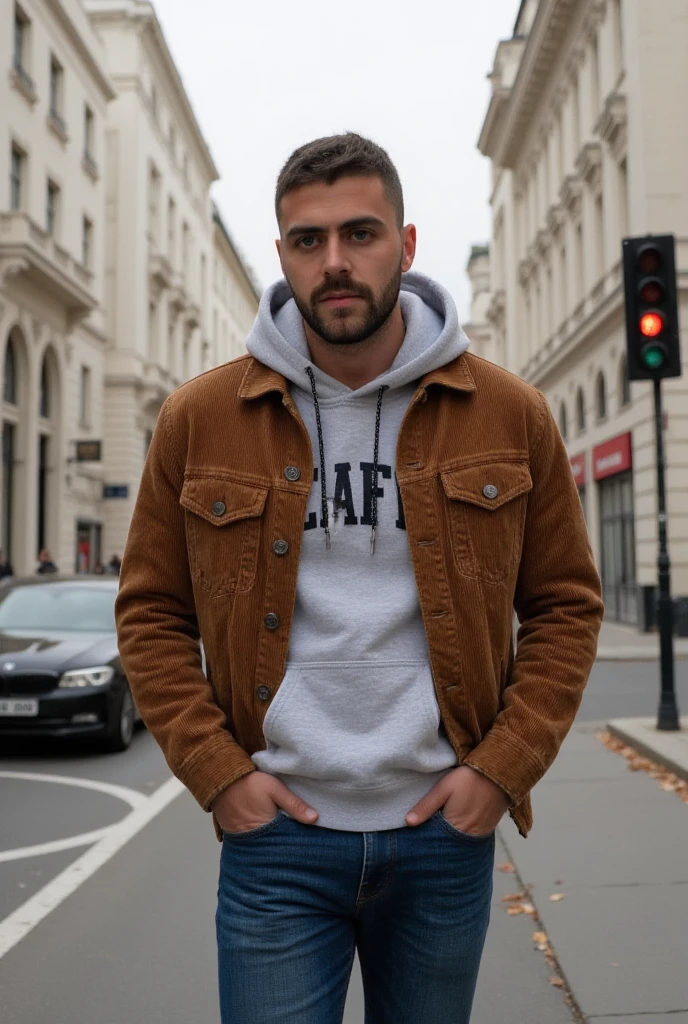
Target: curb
column 627, row 730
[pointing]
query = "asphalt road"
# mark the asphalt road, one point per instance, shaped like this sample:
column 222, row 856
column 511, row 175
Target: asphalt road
column 134, row 941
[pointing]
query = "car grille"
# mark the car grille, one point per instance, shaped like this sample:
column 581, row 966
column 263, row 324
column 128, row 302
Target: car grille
column 17, row 684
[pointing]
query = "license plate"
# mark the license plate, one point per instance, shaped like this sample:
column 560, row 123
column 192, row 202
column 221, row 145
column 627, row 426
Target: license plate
column 19, row 708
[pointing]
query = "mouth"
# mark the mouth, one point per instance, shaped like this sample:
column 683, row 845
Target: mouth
column 336, row 300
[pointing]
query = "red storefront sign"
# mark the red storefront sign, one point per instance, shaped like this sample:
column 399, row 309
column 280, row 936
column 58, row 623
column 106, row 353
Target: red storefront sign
column 578, row 469
column 612, row 457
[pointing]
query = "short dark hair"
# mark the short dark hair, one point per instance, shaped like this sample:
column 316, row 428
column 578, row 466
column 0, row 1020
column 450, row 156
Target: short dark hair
column 339, row 156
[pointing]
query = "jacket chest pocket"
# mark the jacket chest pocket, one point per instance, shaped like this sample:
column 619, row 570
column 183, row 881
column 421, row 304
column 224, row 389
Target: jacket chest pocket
column 223, row 520
column 487, row 509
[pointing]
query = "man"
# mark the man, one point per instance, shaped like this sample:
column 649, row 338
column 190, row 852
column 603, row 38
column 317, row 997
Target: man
column 348, row 516
column 45, row 562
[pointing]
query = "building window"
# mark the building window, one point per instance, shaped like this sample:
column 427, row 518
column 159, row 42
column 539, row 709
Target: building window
column 563, row 425
column 563, row 284
column 624, row 383
column 52, row 204
column 89, row 122
column 171, row 228
column 9, row 387
column 580, row 411
column 22, row 27
column 595, row 71
column 45, row 392
column 580, row 268
column 601, row 394
column 86, row 242
column 599, row 235
column 623, row 198
column 154, row 102
column 85, row 397
column 56, row 92
column 172, row 139
column 17, row 167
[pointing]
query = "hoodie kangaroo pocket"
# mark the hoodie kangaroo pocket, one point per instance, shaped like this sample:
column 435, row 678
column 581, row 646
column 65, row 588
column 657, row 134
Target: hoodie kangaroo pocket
column 358, row 725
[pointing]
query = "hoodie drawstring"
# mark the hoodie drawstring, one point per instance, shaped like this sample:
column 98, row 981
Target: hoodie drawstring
column 323, row 484
column 323, row 487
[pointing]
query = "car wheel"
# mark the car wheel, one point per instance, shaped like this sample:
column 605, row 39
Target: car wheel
column 121, row 730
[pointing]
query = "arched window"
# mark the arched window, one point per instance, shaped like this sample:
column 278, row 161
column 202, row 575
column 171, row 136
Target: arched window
column 45, row 391
column 601, row 396
column 580, row 411
column 624, row 383
column 563, row 426
column 10, row 380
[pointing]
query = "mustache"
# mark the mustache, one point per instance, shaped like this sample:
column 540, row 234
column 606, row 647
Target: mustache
column 343, row 284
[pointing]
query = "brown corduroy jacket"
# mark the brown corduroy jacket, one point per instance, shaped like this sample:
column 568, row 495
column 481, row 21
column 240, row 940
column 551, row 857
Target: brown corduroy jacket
column 494, row 524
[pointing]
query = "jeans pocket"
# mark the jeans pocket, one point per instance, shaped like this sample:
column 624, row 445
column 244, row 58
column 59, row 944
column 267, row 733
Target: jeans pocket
column 260, row 830
column 458, row 834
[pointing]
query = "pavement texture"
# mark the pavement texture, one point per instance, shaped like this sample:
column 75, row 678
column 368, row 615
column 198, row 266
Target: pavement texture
column 614, row 844
column 666, row 748
column 625, row 643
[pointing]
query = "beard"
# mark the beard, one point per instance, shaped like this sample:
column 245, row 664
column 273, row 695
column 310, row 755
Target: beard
column 347, row 328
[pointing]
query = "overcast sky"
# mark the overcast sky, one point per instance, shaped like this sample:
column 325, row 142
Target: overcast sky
column 265, row 76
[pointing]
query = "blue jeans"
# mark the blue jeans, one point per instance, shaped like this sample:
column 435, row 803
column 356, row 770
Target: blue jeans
column 295, row 901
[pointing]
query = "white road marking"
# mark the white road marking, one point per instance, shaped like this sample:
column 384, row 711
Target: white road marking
column 129, row 796
column 25, row 918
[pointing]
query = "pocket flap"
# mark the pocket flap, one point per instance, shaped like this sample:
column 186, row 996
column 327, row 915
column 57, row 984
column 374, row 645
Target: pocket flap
column 489, row 485
column 222, row 501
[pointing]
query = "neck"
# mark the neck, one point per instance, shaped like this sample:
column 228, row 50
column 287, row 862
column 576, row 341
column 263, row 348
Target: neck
column 358, row 364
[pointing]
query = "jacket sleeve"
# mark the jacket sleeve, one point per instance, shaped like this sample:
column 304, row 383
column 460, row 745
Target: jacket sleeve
column 158, row 633
column 559, row 607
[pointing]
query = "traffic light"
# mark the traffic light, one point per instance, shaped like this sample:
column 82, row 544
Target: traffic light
column 652, row 335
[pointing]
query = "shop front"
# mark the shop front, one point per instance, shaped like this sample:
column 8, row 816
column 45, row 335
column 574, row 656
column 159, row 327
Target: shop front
column 613, row 473
column 579, row 475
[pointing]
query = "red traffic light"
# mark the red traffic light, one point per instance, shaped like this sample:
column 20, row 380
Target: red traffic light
column 651, row 324
column 649, row 260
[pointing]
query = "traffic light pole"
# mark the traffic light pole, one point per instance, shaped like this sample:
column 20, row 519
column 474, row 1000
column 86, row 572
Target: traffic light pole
column 667, row 718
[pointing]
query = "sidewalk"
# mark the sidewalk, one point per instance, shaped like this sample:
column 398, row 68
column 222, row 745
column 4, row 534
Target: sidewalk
column 615, row 845
column 624, row 643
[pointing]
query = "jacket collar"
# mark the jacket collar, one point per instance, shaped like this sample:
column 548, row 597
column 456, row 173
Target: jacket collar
column 259, row 379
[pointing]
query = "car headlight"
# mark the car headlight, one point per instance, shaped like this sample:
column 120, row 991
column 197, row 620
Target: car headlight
column 101, row 675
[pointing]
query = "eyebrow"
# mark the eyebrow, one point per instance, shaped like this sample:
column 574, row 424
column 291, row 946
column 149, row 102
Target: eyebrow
column 316, row 229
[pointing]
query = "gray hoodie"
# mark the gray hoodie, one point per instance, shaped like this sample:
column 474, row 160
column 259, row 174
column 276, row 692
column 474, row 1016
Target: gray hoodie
column 355, row 727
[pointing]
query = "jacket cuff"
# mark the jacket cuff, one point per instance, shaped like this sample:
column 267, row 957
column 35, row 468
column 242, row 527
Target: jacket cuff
column 508, row 762
column 213, row 767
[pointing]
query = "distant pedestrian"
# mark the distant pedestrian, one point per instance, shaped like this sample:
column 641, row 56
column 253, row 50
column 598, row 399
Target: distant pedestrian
column 114, row 565
column 45, row 562
column 5, row 567
column 99, row 569
column 363, row 722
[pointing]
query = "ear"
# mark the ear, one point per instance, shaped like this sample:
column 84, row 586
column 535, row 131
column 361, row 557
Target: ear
column 408, row 237
column 278, row 246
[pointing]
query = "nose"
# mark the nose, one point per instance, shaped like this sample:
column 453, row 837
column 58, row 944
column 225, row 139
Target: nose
column 336, row 260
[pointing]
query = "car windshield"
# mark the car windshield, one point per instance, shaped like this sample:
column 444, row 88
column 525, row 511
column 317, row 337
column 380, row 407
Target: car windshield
column 59, row 607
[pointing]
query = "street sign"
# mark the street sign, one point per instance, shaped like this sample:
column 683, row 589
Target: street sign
column 88, row 451
column 115, row 490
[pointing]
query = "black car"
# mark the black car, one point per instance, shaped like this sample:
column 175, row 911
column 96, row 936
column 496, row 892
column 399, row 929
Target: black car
column 60, row 672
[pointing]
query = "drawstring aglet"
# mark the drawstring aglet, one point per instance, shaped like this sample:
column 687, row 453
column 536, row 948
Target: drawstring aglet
column 372, row 541
column 327, row 539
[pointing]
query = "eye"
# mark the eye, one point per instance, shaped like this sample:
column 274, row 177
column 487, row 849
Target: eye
column 307, row 242
column 361, row 235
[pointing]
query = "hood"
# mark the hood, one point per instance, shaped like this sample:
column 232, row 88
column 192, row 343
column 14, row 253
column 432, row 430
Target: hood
column 433, row 338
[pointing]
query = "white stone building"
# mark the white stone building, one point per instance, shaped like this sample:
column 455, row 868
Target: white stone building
column 479, row 328
column 114, row 268
column 54, row 92
column 586, row 135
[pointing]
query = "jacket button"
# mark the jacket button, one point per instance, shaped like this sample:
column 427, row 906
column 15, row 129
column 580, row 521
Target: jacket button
column 280, row 547
column 490, row 491
column 219, row 508
column 271, row 620
column 264, row 692
column 292, row 473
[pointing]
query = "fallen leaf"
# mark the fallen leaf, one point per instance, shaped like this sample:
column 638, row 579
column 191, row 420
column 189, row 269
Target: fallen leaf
column 513, row 897
column 539, row 936
column 512, row 911
column 528, row 908
column 508, row 868
column 557, row 982
column 556, row 897
column 558, row 882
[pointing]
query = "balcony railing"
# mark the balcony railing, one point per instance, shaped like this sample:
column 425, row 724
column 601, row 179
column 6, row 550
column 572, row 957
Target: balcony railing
column 29, row 251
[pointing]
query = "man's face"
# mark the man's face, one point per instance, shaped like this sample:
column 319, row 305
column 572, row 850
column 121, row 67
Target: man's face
column 343, row 255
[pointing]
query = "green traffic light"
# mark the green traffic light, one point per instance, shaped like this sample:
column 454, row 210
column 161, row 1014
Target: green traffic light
column 653, row 357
